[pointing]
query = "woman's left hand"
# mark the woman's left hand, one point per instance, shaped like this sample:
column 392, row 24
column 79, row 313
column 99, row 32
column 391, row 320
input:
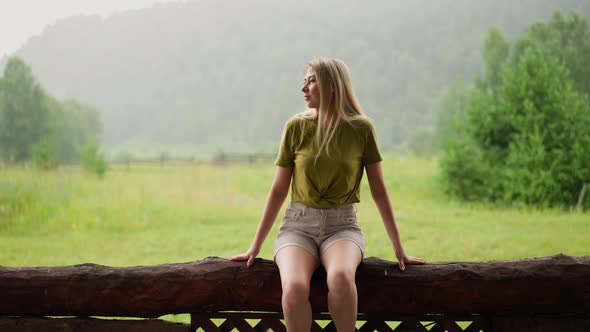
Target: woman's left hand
column 404, row 259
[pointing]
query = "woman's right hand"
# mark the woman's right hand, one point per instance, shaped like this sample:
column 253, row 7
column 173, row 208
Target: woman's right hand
column 248, row 255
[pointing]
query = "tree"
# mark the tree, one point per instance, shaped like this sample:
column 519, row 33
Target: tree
column 451, row 116
column 496, row 51
column 23, row 120
column 34, row 125
column 568, row 39
column 3, row 154
column 548, row 158
column 71, row 126
column 526, row 136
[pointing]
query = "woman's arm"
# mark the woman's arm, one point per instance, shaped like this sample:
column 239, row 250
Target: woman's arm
column 381, row 198
column 276, row 197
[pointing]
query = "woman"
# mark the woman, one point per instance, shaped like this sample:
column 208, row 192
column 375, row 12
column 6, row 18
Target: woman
column 324, row 151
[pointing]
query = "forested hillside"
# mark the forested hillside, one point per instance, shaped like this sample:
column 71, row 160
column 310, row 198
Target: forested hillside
column 213, row 73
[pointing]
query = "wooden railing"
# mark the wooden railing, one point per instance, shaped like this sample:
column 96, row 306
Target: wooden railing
column 542, row 294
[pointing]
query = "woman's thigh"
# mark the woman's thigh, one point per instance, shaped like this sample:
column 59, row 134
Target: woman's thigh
column 342, row 256
column 296, row 265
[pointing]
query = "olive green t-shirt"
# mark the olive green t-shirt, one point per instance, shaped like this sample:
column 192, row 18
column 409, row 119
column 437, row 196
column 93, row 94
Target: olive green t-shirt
column 333, row 180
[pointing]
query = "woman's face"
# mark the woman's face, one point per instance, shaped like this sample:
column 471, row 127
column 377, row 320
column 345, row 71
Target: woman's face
column 311, row 90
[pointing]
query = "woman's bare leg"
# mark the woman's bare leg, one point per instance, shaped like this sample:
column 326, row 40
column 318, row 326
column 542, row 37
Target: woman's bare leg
column 296, row 266
column 340, row 261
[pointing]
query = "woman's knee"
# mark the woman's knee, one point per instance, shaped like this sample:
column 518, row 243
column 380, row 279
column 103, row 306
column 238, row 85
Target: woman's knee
column 295, row 292
column 341, row 280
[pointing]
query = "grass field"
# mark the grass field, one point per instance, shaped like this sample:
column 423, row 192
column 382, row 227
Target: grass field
column 151, row 214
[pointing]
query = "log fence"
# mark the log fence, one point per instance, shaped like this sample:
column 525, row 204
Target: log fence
column 543, row 295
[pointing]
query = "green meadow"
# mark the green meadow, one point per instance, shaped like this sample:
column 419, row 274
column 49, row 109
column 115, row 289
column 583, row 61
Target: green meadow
column 146, row 214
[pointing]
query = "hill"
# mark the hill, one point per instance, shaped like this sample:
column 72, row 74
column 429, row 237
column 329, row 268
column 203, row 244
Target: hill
column 227, row 73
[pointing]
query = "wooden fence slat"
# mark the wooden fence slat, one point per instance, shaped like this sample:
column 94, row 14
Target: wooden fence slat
column 315, row 327
column 478, row 324
column 242, row 325
column 535, row 323
column 437, row 327
column 411, row 324
column 270, row 323
column 204, row 322
column 331, row 327
column 227, row 325
column 35, row 324
column 532, row 323
column 383, row 327
column 451, row 325
column 368, row 326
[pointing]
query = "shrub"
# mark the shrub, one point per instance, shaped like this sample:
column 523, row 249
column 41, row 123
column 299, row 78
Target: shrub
column 93, row 160
column 44, row 155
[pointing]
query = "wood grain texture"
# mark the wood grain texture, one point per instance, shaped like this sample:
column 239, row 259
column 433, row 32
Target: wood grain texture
column 550, row 285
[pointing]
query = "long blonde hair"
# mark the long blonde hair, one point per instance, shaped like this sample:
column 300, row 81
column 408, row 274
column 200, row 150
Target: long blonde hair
column 338, row 104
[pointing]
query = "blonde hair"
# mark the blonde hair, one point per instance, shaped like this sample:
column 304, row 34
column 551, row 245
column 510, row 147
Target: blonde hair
column 338, row 104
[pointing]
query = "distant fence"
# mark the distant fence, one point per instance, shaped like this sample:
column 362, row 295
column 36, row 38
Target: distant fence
column 543, row 294
column 217, row 159
column 251, row 158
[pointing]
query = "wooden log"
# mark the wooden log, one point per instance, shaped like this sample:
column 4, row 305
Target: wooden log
column 35, row 324
column 551, row 285
column 541, row 324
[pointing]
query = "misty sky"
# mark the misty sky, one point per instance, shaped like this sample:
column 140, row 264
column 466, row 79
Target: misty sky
column 21, row 19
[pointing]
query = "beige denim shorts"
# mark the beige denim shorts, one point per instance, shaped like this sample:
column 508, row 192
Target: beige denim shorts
column 315, row 230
